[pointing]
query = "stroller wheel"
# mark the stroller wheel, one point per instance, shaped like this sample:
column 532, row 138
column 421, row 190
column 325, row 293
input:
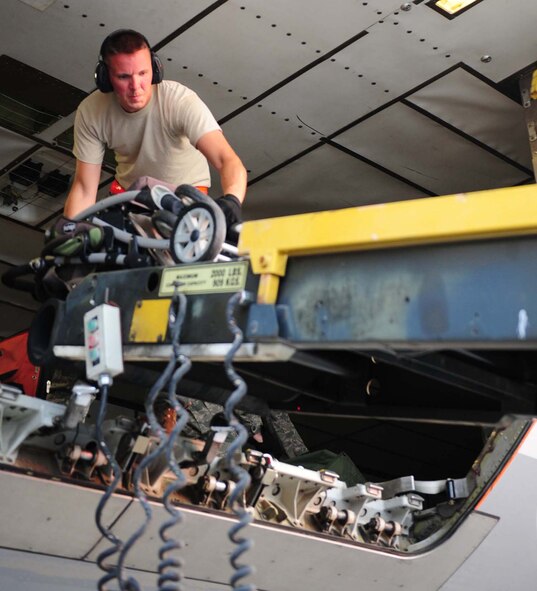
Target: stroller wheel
column 164, row 221
column 198, row 233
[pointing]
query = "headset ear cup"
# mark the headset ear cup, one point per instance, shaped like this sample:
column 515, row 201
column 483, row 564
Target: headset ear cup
column 102, row 79
column 158, row 69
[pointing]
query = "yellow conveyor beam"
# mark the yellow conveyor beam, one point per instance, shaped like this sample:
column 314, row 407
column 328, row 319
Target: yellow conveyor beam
column 464, row 216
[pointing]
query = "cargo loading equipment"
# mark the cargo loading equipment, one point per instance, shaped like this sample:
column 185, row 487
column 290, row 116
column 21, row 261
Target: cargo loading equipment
column 439, row 289
column 418, row 311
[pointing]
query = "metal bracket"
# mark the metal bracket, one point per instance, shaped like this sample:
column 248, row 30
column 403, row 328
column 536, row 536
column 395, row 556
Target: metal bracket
column 528, row 92
column 459, row 488
column 20, row 416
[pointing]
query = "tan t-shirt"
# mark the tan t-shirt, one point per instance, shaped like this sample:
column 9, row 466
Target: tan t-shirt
column 157, row 141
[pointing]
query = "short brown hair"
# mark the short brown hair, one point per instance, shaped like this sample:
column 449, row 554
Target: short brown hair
column 123, row 41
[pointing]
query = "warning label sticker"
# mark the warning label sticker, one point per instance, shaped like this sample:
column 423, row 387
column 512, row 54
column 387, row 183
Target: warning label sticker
column 196, row 279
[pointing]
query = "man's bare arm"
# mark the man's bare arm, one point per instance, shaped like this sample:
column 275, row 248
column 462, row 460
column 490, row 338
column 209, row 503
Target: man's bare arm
column 220, row 154
column 83, row 192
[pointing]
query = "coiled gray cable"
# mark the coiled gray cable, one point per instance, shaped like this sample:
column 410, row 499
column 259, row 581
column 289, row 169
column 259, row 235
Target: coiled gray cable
column 170, row 374
column 170, row 567
column 111, row 571
column 240, row 475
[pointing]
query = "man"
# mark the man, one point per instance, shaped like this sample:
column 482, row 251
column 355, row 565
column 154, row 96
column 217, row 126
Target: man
column 157, row 128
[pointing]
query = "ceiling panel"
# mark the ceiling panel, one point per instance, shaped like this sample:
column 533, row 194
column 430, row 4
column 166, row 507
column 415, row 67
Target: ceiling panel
column 284, row 51
column 323, row 25
column 428, row 154
column 351, row 84
column 218, row 91
column 266, row 139
column 326, row 178
column 262, row 44
column 469, row 104
column 388, row 55
column 501, row 29
column 82, row 25
column 327, row 97
column 244, row 41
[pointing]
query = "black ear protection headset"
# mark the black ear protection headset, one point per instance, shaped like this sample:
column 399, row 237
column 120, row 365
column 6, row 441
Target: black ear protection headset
column 102, row 77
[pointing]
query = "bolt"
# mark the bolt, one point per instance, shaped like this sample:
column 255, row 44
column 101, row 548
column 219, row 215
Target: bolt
column 264, row 261
column 486, row 59
column 406, row 6
column 269, row 513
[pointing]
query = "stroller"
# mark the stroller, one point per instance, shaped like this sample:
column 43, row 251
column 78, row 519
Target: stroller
column 149, row 225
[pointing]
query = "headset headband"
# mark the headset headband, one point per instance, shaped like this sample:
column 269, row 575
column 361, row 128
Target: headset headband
column 109, row 38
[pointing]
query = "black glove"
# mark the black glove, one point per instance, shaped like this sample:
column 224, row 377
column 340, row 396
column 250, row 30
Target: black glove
column 231, row 207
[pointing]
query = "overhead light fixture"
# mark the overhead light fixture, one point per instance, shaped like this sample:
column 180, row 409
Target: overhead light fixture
column 452, row 8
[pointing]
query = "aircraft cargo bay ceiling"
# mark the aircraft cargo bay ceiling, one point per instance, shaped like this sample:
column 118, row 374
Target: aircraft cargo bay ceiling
column 329, row 104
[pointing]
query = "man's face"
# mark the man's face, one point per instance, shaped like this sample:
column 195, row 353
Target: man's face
column 131, row 75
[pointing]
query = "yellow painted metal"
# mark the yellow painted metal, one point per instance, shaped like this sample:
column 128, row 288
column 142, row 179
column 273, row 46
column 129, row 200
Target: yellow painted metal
column 149, row 321
column 267, row 292
column 464, row 216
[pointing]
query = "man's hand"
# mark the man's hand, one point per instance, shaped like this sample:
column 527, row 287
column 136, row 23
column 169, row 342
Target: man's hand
column 231, row 207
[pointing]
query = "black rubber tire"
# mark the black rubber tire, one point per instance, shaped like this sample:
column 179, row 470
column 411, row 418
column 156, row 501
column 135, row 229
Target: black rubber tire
column 192, row 193
column 12, row 278
column 164, row 221
column 198, row 233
